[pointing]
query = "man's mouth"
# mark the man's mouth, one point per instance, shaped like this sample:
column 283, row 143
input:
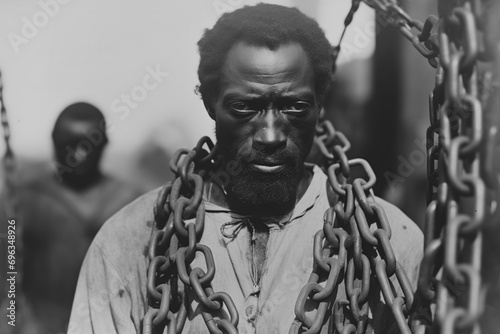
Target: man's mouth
column 267, row 167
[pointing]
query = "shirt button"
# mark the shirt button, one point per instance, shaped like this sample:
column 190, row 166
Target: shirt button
column 251, row 305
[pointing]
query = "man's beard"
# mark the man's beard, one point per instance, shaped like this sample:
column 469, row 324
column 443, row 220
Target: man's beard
column 259, row 194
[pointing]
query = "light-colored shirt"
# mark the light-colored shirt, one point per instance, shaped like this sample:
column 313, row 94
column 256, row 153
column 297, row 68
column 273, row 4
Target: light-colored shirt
column 111, row 292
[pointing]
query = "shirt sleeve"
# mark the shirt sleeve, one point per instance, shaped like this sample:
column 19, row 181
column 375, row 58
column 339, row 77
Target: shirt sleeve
column 102, row 302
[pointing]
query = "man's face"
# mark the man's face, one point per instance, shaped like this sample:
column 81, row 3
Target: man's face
column 74, row 149
column 265, row 114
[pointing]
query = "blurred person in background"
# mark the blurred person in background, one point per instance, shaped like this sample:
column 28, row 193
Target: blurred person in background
column 61, row 213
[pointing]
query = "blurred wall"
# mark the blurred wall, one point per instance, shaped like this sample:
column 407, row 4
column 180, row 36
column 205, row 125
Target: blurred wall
column 135, row 60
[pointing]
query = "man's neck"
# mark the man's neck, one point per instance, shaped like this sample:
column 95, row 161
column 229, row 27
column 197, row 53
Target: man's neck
column 81, row 184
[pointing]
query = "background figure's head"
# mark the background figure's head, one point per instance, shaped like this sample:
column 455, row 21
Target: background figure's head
column 79, row 137
column 264, row 71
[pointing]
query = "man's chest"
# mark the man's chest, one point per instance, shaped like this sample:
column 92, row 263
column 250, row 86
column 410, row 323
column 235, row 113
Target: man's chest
column 278, row 261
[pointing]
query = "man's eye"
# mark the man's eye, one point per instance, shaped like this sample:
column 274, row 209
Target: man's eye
column 297, row 106
column 241, row 107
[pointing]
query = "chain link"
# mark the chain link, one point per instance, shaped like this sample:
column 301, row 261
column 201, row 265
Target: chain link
column 173, row 247
column 458, row 205
column 348, row 247
column 424, row 40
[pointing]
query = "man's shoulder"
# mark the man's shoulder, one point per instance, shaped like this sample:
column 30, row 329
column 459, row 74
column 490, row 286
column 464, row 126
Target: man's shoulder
column 398, row 218
column 406, row 235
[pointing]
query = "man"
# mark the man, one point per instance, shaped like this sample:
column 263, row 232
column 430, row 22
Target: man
column 263, row 72
column 61, row 213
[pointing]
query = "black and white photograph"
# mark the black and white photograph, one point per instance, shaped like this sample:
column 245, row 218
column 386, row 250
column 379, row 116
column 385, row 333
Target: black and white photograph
column 250, row 166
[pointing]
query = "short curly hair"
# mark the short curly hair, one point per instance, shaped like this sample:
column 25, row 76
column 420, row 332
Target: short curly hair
column 265, row 25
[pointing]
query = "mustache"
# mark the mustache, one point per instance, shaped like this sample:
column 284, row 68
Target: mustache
column 275, row 158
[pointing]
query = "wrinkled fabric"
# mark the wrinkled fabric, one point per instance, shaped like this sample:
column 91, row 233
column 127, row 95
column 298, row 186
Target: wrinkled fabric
column 111, row 292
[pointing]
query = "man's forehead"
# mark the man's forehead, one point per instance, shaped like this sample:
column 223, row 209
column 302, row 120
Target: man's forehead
column 250, row 59
column 76, row 126
column 262, row 65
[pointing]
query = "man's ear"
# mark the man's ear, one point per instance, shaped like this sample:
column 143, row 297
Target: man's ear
column 210, row 109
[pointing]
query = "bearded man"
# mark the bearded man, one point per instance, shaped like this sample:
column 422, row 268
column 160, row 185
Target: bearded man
column 264, row 72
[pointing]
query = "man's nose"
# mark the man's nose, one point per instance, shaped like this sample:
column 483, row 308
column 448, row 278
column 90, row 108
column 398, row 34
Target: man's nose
column 270, row 135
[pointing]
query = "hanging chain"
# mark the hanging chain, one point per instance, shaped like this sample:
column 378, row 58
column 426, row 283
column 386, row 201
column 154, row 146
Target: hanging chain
column 463, row 192
column 11, row 202
column 424, row 39
column 347, row 248
column 11, row 197
column 8, row 161
column 460, row 146
column 174, row 245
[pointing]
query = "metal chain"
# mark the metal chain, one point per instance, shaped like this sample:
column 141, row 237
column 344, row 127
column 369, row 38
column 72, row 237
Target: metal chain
column 425, row 38
column 9, row 163
column 173, row 246
column 458, row 146
column 347, row 247
column 11, row 201
column 463, row 174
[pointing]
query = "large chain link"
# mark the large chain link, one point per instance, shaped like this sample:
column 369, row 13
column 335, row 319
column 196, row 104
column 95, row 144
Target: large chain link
column 347, row 248
column 174, row 245
column 424, row 39
column 461, row 173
